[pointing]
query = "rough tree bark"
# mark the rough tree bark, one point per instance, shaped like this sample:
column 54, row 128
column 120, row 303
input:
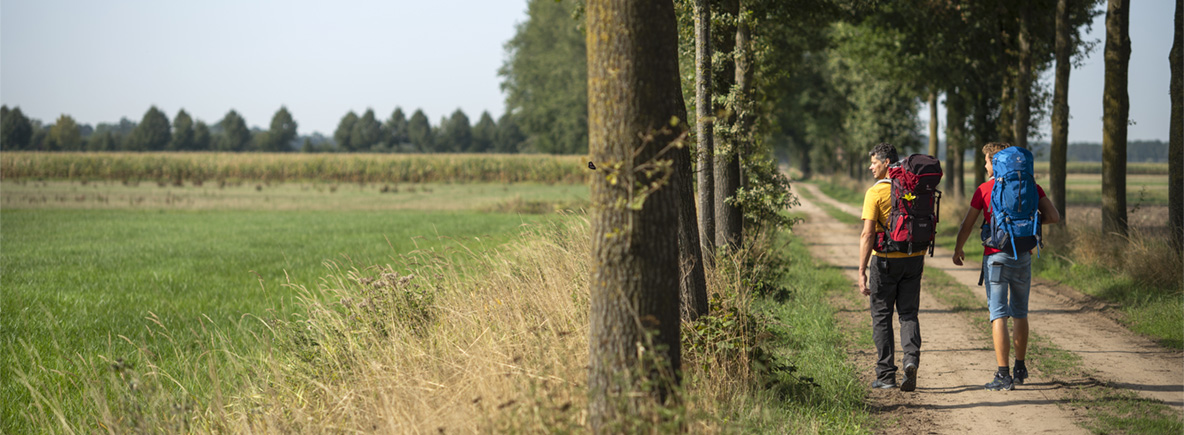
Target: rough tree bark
column 728, row 220
column 1115, row 113
column 1176, row 135
column 1060, row 110
column 692, row 281
column 633, row 94
column 705, row 125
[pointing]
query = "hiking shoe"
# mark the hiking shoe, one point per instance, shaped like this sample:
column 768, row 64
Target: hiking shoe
column 881, row 385
column 1021, row 373
column 910, row 378
column 1001, row 382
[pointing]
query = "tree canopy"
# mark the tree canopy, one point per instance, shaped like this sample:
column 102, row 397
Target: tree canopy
column 153, row 133
column 183, row 139
column 235, row 135
column 419, row 131
column 282, row 131
column 545, row 78
column 15, row 129
column 456, row 134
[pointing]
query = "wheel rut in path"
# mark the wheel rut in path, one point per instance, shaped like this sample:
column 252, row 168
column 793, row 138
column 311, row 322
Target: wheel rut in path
column 1070, row 320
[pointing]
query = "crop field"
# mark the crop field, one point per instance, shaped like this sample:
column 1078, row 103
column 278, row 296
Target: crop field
column 1140, row 168
column 304, row 196
column 94, row 270
column 220, row 168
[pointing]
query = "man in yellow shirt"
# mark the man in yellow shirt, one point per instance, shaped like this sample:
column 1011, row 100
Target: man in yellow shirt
column 894, row 281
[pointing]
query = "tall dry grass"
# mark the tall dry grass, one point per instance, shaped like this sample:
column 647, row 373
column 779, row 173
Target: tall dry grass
column 1143, row 255
column 496, row 342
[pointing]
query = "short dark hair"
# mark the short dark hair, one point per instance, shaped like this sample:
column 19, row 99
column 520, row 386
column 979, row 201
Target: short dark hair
column 884, row 151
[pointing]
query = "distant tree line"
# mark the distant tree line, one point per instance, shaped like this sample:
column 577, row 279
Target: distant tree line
column 400, row 134
column 1146, row 151
column 155, row 132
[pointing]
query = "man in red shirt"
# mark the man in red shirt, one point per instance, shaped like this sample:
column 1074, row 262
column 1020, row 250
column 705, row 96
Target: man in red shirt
column 1008, row 278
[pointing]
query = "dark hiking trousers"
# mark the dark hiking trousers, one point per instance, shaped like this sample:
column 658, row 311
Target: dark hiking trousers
column 895, row 283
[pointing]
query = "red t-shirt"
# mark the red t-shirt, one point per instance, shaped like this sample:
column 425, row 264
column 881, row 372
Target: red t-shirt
column 981, row 200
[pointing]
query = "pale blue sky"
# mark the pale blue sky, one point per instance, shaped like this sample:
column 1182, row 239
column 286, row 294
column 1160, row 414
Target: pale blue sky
column 100, row 60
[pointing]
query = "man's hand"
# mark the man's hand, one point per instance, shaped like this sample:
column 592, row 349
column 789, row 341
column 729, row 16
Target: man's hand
column 863, row 289
column 964, row 233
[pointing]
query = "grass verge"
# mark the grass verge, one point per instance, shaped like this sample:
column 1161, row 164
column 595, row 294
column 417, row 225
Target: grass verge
column 1141, row 274
column 844, row 189
column 831, row 210
column 810, row 385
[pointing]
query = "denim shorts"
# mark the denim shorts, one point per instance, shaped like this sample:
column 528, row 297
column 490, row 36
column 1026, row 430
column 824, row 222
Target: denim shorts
column 1008, row 280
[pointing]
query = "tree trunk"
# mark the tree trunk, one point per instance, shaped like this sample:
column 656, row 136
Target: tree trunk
column 728, row 220
column 1006, row 121
column 1176, row 135
column 955, row 120
column 692, row 280
column 633, row 93
column 981, row 125
column 933, row 123
column 960, row 166
column 1023, row 81
column 1115, row 113
column 1060, row 110
column 705, row 125
column 804, row 165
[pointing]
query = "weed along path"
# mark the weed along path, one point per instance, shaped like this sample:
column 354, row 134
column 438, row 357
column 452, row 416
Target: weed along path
column 955, row 359
column 1109, row 353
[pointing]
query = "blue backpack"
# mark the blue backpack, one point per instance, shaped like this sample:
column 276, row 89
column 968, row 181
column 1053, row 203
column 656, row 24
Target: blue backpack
column 1014, row 222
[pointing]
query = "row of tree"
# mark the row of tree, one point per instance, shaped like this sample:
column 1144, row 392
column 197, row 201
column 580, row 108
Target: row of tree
column 651, row 245
column 155, row 132
column 828, row 79
column 453, row 134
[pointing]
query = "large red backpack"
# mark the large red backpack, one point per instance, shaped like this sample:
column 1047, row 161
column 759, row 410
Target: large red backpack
column 912, row 222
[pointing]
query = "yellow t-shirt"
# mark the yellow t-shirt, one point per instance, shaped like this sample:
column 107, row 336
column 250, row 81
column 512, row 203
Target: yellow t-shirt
column 876, row 205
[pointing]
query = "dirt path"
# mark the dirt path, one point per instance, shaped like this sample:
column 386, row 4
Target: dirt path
column 1072, row 322
column 956, row 360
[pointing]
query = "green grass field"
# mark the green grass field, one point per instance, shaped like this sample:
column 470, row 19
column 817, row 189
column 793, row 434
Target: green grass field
column 78, row 276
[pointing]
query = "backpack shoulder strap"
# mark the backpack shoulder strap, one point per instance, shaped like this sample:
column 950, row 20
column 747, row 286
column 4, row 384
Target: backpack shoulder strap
column 883, row 225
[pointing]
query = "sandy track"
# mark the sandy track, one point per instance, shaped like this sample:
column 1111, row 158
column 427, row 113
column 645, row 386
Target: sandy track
column 956, row 360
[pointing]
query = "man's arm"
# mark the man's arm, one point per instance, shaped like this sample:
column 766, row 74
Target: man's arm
column 866, row 239
column 964, row 233
column 1048, row 212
